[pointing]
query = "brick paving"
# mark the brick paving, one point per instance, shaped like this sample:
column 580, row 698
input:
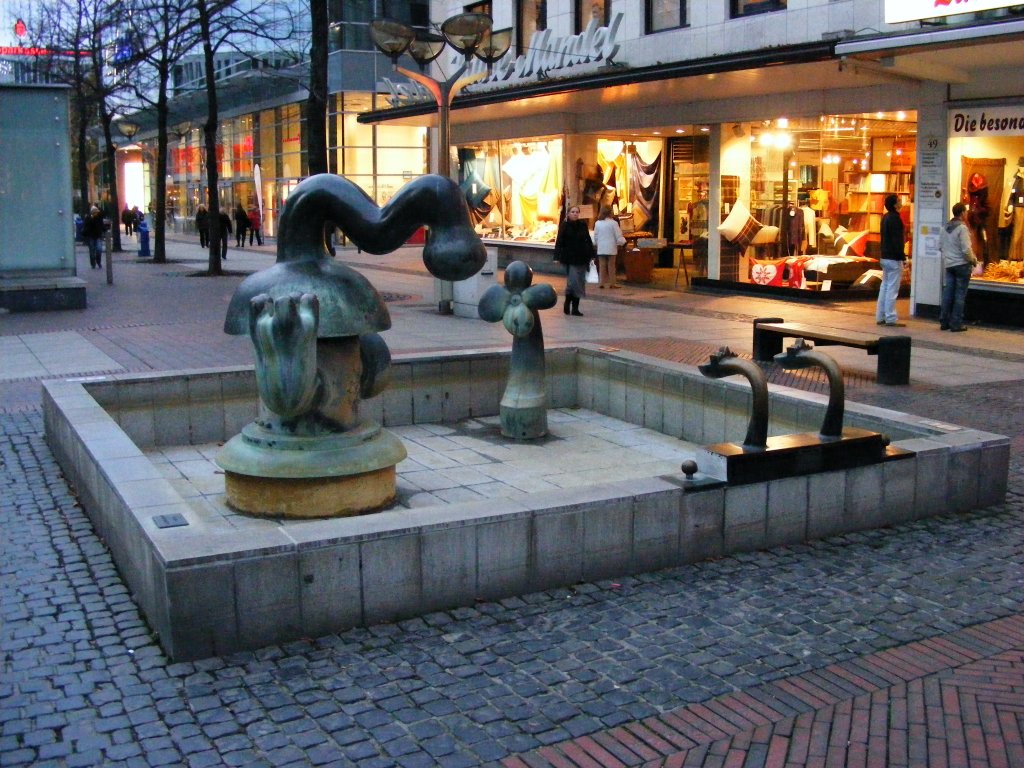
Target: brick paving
column 892, row 647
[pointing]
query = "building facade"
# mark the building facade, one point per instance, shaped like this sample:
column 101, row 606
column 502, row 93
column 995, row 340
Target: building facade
column 754, row 140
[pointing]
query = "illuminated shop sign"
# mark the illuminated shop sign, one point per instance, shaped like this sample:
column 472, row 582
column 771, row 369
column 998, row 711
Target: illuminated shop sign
column 915, row 10
column 991, row 121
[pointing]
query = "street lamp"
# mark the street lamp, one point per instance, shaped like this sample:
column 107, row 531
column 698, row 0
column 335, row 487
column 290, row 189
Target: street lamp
column 468, row 33
column 128, row 129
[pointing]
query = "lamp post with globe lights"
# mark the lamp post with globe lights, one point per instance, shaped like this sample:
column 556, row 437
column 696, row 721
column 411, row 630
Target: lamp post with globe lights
column 472, row 36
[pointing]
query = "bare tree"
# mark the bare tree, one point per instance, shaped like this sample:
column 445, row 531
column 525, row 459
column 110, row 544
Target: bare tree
column 75, row 35
column 164, row 31
column 228, row 24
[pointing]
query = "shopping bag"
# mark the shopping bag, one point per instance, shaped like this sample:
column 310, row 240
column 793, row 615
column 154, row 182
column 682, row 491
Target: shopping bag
column 592, row 277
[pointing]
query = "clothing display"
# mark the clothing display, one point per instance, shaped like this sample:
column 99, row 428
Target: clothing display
column 1015, row 211
column 514, row 190
column 645, row 189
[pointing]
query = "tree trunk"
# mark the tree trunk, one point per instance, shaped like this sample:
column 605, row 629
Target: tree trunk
column 316, row 104
column 160, row 218
column 210, row 137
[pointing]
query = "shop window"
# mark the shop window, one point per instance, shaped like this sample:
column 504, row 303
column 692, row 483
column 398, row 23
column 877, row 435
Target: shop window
column 586, row 11
column 531, row 17
column 738, row 8
column 664, row 14
column 513, row 188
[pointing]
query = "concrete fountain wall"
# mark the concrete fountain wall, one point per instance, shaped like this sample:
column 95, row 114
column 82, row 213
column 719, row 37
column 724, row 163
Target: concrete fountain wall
column 210, row 589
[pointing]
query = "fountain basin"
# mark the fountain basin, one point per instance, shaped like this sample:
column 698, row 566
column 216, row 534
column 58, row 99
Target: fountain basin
column 210, row 585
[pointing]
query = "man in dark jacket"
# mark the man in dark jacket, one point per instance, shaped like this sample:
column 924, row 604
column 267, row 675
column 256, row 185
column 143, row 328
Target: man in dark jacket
column 225, row 231
column 92, row 234
column 893, row 261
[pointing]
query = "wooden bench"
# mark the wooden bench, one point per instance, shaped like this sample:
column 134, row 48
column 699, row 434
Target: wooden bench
column 893, row 351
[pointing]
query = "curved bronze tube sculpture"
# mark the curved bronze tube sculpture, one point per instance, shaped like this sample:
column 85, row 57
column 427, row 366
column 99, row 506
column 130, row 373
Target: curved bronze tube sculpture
column 349, row 304
column 725, row 363
column 802, row 355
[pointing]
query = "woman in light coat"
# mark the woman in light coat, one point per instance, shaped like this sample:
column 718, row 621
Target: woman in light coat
column 607, row 238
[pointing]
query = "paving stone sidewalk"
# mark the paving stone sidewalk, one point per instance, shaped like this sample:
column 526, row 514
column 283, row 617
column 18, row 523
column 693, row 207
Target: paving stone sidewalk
column 530, row 679
column 84, row 683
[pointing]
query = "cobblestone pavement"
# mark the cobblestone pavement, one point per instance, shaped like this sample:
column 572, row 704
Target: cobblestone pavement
column 84, row 683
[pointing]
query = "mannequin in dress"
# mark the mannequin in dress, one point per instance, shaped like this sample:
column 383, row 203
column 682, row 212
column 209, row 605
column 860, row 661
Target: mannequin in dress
column 1015, row 213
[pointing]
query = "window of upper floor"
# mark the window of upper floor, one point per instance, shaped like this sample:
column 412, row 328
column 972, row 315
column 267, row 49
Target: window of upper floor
column 350, row 20
column 740, row 8
column 586, row 10
column 484, row 7
column 531, row 17
column 660, row 15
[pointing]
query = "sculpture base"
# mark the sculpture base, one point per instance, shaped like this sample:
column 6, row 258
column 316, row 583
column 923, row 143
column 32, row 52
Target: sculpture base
column 348, row 473
column 313, row 498
column 524, row 423
column 792, row 455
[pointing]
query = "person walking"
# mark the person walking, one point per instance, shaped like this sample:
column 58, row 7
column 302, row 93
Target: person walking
column 225, row 231
column 958, row 259
column 255, row 223
column 241, row 224
column 92, row 234
column 893, row 260
column 128, row 219
column 203, row 226
column 608, row 239
column 575, row 250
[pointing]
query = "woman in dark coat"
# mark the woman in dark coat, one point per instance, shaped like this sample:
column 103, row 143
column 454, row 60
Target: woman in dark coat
column 203, row 226
column 574, row 249
column 241, row 224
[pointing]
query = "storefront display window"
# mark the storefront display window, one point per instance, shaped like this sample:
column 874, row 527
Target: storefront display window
column 514, row 188
column 986, row 171
column 808, row 198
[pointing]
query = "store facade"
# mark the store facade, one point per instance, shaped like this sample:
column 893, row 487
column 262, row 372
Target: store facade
column 759, row 169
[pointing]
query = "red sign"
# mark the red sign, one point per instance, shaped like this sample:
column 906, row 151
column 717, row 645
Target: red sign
column 20, row 29
column 17, row 50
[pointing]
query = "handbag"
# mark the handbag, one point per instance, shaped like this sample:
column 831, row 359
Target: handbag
column 592, row 277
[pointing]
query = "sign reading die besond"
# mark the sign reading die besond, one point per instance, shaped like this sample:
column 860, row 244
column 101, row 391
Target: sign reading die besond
column 915, row 10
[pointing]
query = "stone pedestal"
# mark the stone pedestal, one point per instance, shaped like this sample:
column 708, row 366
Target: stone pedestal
column 350, row 473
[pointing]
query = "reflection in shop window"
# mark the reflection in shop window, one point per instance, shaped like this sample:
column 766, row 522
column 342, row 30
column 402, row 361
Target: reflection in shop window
column 750, row 7
column 531, row 17
column 665, row 14
column 591, row 10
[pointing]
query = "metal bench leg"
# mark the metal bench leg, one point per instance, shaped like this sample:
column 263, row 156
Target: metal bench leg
column 894, row 360
column 767, row 344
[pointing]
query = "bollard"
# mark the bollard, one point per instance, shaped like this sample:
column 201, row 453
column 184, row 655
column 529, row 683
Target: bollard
column 143, row 230
column 108, row 260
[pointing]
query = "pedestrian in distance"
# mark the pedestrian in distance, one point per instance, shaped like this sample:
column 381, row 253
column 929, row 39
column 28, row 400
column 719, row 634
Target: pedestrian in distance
column 128, row 219
column 255, row 224
column 608, row 239
column 241, row 224
column 203, row 226
column 225, row 232
column 92, row 234
column 958, row 259
column 893, row 260
column 575, row 250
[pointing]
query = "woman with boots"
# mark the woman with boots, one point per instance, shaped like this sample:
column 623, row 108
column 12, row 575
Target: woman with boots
column 575, row 249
